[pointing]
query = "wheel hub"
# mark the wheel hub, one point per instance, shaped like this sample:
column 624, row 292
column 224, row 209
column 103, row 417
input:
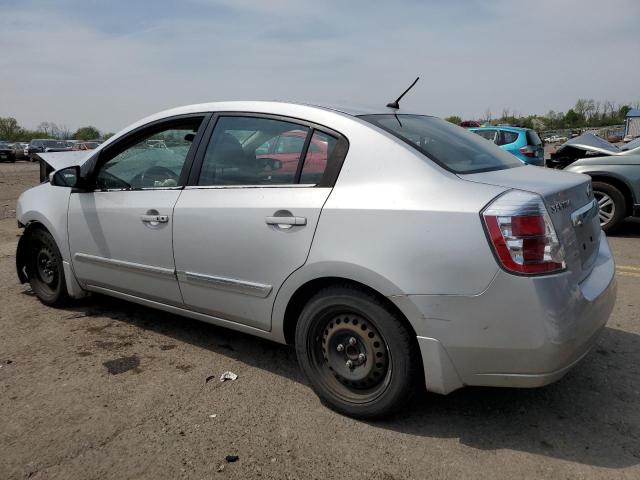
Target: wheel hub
column 354, row 351
column 46, row 265
column 606, row 207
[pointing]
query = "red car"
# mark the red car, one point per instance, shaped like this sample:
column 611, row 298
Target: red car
column 285, row 151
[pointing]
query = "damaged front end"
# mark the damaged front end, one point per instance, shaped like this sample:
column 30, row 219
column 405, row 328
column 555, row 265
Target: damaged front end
column 583, row 146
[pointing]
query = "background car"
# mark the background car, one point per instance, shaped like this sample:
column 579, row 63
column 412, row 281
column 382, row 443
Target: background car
column 616, row 186
column 283, row 153
column 84, row 145
column 555, row 139
column 6, row 153
column 19, row 150
column 524, row 143
column 589, row 145
column 46, row 145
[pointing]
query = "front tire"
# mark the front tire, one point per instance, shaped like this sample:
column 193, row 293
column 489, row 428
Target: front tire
column 611, row 204
column 357, row 354
column 45, row 270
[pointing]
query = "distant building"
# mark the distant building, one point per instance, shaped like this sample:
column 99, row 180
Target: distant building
column 632, row 124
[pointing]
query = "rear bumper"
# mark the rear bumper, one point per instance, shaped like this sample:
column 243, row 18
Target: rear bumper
column 519, row 332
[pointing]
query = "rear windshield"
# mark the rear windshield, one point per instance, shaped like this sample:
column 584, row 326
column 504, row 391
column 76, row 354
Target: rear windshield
column 450, row 146
column 533, row 138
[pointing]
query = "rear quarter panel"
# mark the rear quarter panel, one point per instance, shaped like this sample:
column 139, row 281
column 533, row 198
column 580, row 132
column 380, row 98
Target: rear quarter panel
column 629, row 174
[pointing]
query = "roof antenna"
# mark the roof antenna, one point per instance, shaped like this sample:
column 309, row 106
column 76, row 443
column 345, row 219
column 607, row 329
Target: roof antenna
column 395, row 104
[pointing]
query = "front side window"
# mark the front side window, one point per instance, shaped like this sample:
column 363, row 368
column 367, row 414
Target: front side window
column 253, row 151
column 155, row 160
column 448, row 145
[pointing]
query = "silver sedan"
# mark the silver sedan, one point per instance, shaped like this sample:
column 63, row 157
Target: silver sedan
column 393, row 250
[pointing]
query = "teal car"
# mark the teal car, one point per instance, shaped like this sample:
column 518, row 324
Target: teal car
column 524, row 143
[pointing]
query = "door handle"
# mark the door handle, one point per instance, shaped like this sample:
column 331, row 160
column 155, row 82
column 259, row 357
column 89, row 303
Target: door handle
column 154, row 218
column 289, row 221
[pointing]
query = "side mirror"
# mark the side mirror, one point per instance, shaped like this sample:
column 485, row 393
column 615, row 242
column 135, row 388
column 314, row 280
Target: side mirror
column 66, row 177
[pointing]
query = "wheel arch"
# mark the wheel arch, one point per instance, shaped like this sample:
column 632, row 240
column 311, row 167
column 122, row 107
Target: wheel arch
column 620, row 184
column 22, row 249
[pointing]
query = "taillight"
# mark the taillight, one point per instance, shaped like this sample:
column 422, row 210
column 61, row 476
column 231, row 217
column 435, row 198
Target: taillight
column 522, row 234
column 528, row 151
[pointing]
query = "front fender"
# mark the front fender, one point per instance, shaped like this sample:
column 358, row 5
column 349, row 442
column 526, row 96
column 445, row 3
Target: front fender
column 47, row 205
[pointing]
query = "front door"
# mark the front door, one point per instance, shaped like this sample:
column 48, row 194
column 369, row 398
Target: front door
column 248, row 221
column 120, row 233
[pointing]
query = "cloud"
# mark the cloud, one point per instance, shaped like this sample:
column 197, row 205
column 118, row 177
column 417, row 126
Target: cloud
column 110, row 63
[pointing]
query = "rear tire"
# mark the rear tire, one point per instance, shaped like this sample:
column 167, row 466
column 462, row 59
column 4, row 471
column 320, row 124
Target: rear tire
column 612, row 205
column 45, row 269
column 357, row 354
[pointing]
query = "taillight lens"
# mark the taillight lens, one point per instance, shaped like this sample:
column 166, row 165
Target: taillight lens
column 522, row 234
column 528, row 151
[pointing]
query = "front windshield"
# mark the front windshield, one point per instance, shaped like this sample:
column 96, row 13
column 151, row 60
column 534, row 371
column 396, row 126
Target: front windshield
column 450, row 146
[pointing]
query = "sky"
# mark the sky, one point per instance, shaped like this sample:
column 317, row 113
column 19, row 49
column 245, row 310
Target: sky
column 110, row 63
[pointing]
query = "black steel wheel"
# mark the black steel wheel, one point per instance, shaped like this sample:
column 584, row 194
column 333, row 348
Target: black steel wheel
column 45, row 270
column 358, row 355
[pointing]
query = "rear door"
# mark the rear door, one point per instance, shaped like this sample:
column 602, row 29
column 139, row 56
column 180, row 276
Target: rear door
column 244, row 224
column 120, row 233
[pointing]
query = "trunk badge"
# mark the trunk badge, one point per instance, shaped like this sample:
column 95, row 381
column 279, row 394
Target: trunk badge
column 559, row 206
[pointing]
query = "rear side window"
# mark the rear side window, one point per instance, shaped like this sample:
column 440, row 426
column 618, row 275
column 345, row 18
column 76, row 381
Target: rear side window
column 320, row 150
column 488, row 134
column 450, row 146
column 253, row 151
column 507, row 137
column 533, row 138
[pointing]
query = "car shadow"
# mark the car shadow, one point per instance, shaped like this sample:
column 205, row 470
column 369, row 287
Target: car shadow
column 591, row 416
column 630, row 228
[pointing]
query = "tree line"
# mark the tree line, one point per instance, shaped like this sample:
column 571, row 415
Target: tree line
column 11, row 131
column 585, row 113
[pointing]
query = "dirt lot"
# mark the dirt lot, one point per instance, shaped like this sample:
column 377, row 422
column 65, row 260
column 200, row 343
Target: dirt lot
column 107, row 389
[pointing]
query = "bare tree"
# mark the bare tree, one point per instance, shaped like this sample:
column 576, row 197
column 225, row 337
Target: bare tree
column 487, row 115
column 609, row 109
column 64, row 132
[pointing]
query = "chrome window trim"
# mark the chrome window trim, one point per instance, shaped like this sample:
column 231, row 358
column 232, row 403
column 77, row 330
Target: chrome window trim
column 222, row 187
column 228, row 284
column 138, row 267
column 143, row 189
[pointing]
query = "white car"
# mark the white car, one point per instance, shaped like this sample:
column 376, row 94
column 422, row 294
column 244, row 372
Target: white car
column 394, row 250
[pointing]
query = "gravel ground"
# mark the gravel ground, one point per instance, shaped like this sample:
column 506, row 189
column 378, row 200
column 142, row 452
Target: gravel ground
column 106, row 389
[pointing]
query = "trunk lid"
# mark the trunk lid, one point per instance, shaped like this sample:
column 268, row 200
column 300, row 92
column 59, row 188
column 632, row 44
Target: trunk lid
column 570, row 203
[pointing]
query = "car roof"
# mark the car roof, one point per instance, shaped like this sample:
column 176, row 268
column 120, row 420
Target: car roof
column 501, row 127
column 242, row 105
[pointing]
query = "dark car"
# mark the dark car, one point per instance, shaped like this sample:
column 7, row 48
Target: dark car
column 6, row 153
column 19, row 150
column 46, row 145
